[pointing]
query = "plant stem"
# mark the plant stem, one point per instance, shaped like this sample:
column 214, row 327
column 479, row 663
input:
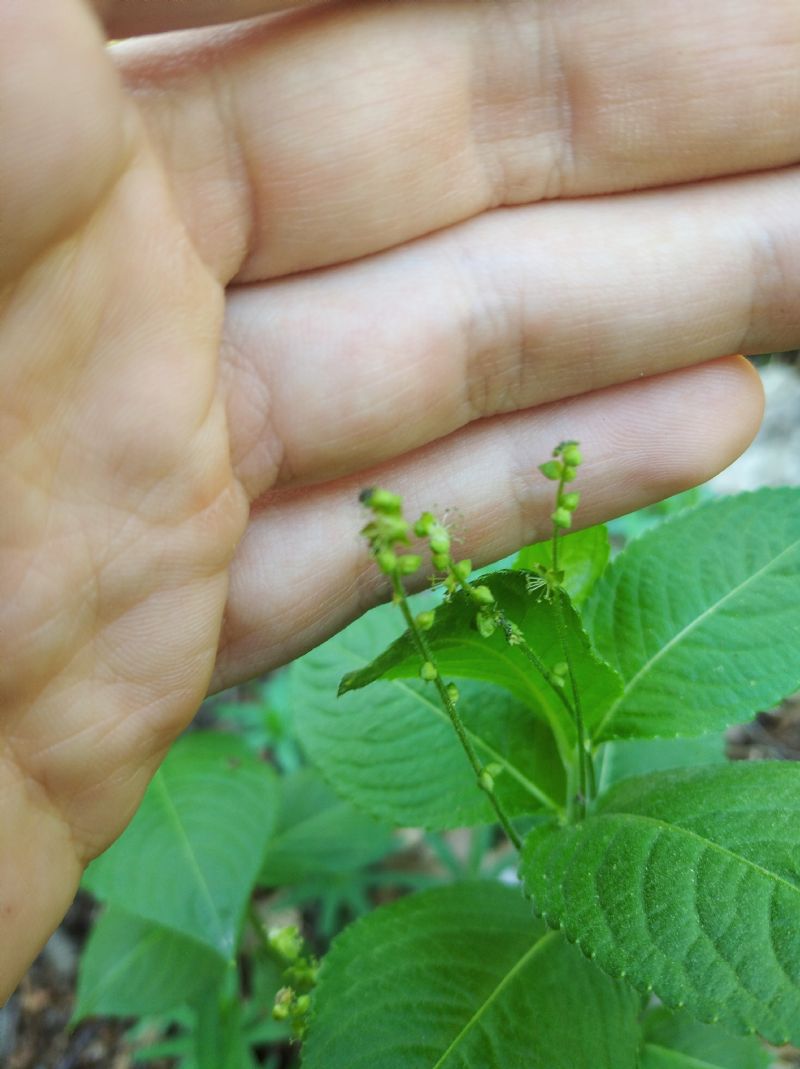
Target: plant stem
column 519, row 643
column 579, row 727
column 577, row 711
column 425, row 652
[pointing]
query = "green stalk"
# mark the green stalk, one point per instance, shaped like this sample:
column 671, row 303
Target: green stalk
column 580, row 731
column 425, row 652
column 519, row 643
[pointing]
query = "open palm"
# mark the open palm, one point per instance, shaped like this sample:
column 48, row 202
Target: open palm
column 246, row 271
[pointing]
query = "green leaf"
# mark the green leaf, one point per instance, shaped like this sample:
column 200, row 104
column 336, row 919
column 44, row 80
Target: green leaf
column 320, row 834
column 701, row 617
column 634, row 757
column 462, row 977
column 131, row 966
column 688, row 883
column 392, row 750
column 461, row 652
column 677, row 1041
column 582, row 555
column 190, row 856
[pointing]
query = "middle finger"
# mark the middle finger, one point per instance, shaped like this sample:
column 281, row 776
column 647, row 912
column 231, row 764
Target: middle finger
column 322, row 136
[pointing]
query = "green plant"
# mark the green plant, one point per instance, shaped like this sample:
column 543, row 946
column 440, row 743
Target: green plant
column 591, row 723
column 572, row 707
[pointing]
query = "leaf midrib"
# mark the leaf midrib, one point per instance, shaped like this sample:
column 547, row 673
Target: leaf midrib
column 526, row 958
column 174, row 818
column 630, row 684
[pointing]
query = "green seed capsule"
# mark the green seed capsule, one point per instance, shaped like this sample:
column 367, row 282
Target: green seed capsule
column 569, row 474
column 482, row 595
column 382, row 501
column 428, row 672
column 551, row 469
column 424, row 524
column 441, row 561
column 439, row 540
column 393, row 529
column 562, row 518
column 569, row 501
column 286, row 942
column 408, row 563
column 462, row 570
column 486, row 624
column 425, row 620
column 572, row 454
column 452, row 692
column 386, row 561
column 486, row 781
column 561, row 668
column 302, row 1005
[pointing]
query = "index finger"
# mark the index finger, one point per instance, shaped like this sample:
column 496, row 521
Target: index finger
column 132, row 18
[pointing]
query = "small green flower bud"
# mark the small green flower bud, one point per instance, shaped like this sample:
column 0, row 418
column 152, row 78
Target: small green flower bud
column 382, row 501
column 494, row 768
column 386, row 561
column 425, row 620
column 486, row 623
column 452, row 692
column 422, row 527
column 486, row 781
column 428, row 672
column 301, row 1006
column 569, row 501
column 283, row 1004
column 462, row 570
column 408, row 563
column 286, row 942
column 393, row 529
column 561, row 668
column 562, row 518
column 569, row 474
column 441, row 561
column 440, row 540
column 572, row 454
column 551, row 469
column 482, row 595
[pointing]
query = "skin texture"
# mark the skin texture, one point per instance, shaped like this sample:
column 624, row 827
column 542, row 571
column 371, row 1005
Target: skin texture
column 247, row 270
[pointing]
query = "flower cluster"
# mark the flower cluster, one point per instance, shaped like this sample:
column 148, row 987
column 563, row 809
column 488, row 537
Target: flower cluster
column 563, row 469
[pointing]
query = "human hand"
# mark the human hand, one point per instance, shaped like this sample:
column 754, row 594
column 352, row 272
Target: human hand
column 420, row 223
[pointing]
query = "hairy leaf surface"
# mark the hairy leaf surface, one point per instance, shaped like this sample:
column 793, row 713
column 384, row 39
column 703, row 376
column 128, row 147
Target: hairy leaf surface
column 392, row 750
column 189, row 858
column 463, row 977
column 688, row 883
column 701, row 617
